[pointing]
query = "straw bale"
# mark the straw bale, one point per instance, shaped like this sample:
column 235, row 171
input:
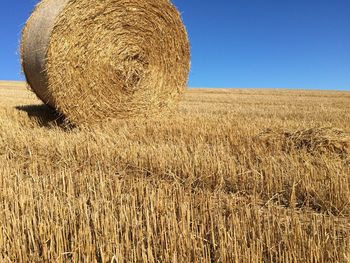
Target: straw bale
column 95, row 60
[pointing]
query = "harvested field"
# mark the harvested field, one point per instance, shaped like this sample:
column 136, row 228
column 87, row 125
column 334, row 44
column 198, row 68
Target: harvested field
column 241, row 175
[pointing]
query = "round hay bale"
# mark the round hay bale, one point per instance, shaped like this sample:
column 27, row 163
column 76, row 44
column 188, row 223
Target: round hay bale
column 95, row 60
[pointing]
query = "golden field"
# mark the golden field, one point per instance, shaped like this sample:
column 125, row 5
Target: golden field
column 241, row 175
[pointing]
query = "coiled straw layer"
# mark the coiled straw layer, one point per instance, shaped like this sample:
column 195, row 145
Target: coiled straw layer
column 94, row 60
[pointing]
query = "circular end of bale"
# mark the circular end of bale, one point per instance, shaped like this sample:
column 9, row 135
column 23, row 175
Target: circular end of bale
column 107, row 59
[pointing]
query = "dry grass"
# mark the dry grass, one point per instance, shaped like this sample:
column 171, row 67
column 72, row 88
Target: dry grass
column 236, row 176
column 11, row 84
column 318, row 140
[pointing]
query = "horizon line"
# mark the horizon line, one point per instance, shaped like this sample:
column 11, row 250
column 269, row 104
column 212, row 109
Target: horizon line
column 204, row 87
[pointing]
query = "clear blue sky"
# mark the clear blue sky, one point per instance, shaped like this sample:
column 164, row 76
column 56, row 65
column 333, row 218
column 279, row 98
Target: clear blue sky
column 239, row 43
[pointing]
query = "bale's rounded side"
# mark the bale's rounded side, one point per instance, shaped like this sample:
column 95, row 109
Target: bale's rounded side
column 107, row 59
column 34, row 44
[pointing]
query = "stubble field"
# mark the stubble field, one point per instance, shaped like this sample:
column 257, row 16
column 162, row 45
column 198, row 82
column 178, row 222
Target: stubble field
column 239, row 175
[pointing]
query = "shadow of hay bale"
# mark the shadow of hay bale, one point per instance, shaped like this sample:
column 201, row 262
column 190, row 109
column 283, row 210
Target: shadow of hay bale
column 314, row 140
column 44, row 115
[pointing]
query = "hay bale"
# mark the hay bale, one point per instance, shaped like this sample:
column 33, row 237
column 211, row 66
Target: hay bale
column 94, row 60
